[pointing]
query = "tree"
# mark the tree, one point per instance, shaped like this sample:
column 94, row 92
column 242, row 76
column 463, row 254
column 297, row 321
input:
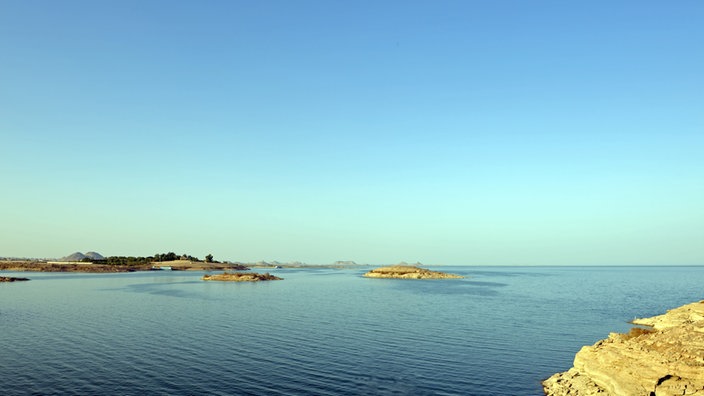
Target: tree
column 209, row 258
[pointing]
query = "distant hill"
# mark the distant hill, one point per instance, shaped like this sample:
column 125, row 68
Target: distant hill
column 345, row 262
column 78, row 256
column 416, row 264
column 94, row 256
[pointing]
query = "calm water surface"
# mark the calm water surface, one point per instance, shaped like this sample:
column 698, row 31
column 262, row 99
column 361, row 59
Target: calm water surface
column 320, row 331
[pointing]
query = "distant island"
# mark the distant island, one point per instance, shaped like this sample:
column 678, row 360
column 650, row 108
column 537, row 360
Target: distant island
column 241, row 277
column 297, row 264
column 408, row 272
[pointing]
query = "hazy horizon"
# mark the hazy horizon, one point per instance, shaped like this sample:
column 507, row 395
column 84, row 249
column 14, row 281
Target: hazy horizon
column 352, row 262
column 453, row 133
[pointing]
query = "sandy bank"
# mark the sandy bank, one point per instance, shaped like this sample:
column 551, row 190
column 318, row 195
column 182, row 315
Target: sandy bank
column 39, row 266
column 186, row 265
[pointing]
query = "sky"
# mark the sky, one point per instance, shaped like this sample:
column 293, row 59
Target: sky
column 441, row 132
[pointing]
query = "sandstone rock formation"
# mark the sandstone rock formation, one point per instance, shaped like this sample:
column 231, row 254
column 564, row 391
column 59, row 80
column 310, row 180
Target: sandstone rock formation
column 241, row 277
column 665, row 359
column 408, row 272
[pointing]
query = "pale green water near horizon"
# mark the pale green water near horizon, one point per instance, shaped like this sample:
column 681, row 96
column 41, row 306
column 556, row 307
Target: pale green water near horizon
column 320, row 331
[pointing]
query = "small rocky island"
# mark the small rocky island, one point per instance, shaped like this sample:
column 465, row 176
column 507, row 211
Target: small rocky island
column 241, row 277
column 665, row 358
column 408, row 272
column 12, row 279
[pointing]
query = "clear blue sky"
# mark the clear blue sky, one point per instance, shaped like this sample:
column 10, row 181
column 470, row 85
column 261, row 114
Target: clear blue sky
column 445, row 132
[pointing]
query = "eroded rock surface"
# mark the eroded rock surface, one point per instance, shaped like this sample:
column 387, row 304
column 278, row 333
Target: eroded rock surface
column 408, row 272
column 241, row 277
column 665, row 359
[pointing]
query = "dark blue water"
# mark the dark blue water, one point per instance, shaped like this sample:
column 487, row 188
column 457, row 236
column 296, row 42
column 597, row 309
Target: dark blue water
column 320, row 331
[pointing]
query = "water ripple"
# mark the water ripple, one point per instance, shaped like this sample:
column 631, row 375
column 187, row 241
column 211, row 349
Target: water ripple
column 317, row 332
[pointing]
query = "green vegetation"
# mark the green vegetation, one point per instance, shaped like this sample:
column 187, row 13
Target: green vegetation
column 133, row 261
column 636, row 332
column 171, row 256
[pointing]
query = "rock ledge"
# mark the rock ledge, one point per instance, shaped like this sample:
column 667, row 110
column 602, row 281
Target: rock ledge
column 667, row 358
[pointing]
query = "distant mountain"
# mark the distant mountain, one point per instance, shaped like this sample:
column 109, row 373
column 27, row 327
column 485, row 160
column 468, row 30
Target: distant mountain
column 78, row 256
column 94, row 256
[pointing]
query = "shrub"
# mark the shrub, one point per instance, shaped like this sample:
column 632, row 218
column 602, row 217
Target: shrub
column 637, row 332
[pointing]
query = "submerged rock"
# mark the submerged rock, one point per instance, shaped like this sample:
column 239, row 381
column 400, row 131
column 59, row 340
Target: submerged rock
column 241, row 277
column 408, row 272
column 11, row 279
column 664, row 359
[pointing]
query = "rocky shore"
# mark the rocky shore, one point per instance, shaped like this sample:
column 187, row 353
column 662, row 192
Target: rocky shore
column 39, row 266
column 35, row 266
column 241, row 277
column 408, row 272
column 665, row 358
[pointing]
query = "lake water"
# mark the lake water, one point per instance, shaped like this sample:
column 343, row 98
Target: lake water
column 320, row 331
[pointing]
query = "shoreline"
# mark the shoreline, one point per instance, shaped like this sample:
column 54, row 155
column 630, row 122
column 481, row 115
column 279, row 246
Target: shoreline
column 179, row 265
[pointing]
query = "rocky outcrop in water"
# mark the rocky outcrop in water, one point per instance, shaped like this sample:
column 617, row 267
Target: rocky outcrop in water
column 12, row 279
column 666, row 358
column 408, row 272
column 241, row 277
